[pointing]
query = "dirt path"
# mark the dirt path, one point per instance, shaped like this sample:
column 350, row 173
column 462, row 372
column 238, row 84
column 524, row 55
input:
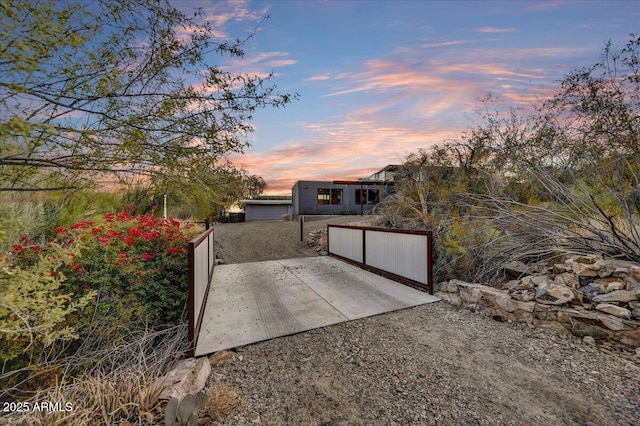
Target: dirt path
column 270, row 239
column 430, row 365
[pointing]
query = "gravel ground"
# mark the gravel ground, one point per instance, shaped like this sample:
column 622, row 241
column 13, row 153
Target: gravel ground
column 430, row 365
column 270, row 239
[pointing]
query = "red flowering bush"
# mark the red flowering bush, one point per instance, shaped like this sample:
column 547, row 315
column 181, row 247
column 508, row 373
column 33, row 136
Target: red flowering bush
column 136, row 264
column 134, row 267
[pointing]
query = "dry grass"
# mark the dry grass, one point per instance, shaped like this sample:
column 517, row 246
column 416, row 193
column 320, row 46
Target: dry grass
column 223, row 401
column 118, row 387
column 103, row 399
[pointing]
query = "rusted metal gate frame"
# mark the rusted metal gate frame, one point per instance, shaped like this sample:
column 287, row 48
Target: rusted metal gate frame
column 403, row 280
column 195, row 321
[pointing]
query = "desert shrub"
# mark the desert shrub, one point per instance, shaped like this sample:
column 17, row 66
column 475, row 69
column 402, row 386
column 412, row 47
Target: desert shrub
column 34, row 304
column 91, row 284
column 17, row 218
column 108, row 385
column 136, row 264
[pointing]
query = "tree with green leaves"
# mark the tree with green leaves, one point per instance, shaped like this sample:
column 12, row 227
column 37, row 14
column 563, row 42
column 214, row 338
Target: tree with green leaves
column 226, row 186
column 118, row 90
column 563, row 177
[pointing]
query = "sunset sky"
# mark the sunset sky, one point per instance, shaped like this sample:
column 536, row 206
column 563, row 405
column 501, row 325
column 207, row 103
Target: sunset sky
column 380, row 79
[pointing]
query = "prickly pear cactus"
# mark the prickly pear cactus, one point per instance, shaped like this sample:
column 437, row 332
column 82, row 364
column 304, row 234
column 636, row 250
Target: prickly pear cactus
column 185, row 411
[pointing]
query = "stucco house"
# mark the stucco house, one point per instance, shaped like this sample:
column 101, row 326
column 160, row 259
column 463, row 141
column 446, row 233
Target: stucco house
column 342, row 197
column 311, row 197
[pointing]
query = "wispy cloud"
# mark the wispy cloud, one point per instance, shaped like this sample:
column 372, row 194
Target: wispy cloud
column 494, row 30
column 410, row 103
column 413, row 78
column 421, row 87
column 544, row 6
column 268, row 58
column 320, row 77
column 221, row 15
column 345, row 148
column 260, row 64
column 444, row 44
column 224, row 12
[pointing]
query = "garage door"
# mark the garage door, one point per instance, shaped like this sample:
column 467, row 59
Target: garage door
column 265, row 212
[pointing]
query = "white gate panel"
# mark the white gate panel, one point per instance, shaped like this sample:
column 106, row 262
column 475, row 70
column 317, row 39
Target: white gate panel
column 401, row 254
column 201, row 256
column 201, row 263
column 346, row 242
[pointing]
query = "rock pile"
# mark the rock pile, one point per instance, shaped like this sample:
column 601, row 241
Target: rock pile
column 317, row 240
column 588, row 296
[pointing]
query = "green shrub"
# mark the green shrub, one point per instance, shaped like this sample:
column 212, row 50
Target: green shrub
column 34, row 304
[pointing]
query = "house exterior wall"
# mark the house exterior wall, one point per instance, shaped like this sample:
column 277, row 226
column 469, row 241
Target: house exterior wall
column 340, row 199
column 387, row 174
column 266, row 211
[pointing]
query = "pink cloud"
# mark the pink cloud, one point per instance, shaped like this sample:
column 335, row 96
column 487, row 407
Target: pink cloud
column 349, row 148
column 406, row 103
column 221, row 14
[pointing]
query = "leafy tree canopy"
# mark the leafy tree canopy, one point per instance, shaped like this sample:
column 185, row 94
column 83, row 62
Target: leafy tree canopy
column 117, row 88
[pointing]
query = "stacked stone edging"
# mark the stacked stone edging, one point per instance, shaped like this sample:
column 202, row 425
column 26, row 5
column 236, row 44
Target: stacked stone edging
column 584, row 295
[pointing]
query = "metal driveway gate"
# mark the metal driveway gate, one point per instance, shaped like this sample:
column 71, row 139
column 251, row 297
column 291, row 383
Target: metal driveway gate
column 201, row 264
column 403, row 255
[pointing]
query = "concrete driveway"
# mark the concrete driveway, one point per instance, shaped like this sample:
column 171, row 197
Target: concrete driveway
column 251, row 302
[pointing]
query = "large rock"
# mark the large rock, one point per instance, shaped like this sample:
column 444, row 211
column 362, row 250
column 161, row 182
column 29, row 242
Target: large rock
column 552, row 325
column 541, row 281
column 524, row 295
column 546, row 312
column 631, row 338
column 452, row 298
column 614, row 310
column 585, row 270
column 588, row 259
column 515, row 270
column 614, row 286
column 188, row 376
column 560, row 268
column 517, row 285
column 576, row 315
column 604, row 284
column 578, row 297
column 567, row 279
column 470, row 293
column 554, row 295
column 448, row 286
column 581, row 329
column 590, row 292
column 605, row 267
column 505, row 303
column 616, row 296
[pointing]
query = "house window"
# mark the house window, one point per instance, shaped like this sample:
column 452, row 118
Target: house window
column 336, row 196
column 369, row 196
column 324, row 196
column 329, row 196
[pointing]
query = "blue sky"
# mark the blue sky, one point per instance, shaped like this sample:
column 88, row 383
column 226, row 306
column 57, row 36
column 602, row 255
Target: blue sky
column 380, row 79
